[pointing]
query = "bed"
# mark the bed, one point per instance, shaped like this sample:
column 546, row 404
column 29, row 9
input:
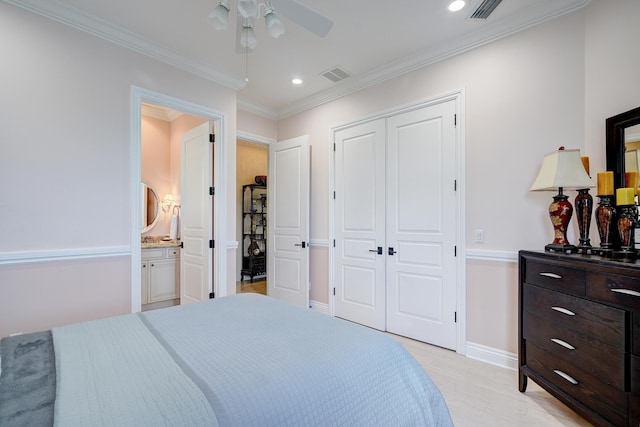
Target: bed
column 243, row 360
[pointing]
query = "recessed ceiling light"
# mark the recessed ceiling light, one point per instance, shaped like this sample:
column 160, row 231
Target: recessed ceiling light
column 296, row 81
column 456, row 5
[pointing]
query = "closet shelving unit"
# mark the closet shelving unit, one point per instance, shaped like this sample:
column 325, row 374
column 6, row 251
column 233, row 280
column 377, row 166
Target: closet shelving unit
column 254, row 231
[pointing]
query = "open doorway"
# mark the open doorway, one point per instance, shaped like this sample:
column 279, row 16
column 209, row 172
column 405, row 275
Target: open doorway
column 252, row 220
column 186, row 116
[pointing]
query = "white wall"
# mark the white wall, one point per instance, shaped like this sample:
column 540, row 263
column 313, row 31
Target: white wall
column 65, row 168
column 526, row 95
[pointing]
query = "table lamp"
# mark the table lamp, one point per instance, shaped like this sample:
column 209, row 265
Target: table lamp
column 561, row 169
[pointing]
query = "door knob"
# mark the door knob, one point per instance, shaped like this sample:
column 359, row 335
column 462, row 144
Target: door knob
column 391, row 251
column 378, row 251
column 303, row 244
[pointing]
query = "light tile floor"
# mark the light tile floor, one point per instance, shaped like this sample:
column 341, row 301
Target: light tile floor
column 479, row 394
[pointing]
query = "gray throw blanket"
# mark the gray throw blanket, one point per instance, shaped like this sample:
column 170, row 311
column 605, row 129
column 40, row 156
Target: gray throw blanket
column 28, row 380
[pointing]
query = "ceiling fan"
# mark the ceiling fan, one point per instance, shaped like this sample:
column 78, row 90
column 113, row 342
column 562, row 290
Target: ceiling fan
column 250, row 11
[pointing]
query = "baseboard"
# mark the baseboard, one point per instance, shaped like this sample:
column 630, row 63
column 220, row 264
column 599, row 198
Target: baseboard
column 319, row 306
column 492, row 356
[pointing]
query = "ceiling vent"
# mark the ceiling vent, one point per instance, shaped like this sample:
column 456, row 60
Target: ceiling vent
column 336, row 74
column 485, row 9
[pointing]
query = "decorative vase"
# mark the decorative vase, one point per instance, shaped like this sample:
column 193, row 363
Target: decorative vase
column 584, row 208
column 626, row 224
column 253, row 248
column 605, row 216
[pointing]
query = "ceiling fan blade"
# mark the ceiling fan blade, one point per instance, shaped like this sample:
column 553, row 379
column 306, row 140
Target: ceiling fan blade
column 303, row 16
column 241, row 22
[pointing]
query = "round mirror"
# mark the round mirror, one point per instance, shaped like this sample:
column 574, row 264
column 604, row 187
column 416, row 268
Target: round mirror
column 150, row 205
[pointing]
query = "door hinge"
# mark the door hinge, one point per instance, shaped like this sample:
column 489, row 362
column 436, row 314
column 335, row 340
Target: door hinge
column 212, row 137
column 334, row 146
column 334, row 292
column 212, row 244
column 212, row 295
column 212, row 191
column 455, row 251
column 334, row 243
column 455, row 317
column 182, row 245
column 455, row 120
column 455, row 185
column 334, row 195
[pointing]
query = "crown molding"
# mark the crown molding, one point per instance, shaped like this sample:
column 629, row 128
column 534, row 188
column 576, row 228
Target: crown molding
column 76, row 19
column 79, row 20
column 524, row 20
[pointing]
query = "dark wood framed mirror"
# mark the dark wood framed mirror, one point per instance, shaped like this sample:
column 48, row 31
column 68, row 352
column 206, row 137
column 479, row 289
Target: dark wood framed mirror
column 615, row 142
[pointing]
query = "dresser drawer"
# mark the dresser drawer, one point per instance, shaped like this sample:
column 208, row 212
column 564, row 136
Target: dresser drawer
column 555, row 276
column 608, row 401
column 591, row 355
column 622, row 290
column 604, row 323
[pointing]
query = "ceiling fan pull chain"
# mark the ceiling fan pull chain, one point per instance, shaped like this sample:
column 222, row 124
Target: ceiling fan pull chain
column 246, row 64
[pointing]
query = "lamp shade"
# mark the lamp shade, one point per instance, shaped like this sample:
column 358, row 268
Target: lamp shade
column 248, row 8
column 248, row 38
column 274, row 25
column 219, row 18
column 562, row 169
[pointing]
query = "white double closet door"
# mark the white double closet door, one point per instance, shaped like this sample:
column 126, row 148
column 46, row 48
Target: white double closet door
column 395, row 224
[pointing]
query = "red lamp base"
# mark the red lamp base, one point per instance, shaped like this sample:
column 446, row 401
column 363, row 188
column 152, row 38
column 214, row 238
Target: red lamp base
column 560, row 212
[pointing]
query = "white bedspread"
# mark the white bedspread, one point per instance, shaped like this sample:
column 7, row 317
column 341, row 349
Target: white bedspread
column 250, row 360
column 113, row 372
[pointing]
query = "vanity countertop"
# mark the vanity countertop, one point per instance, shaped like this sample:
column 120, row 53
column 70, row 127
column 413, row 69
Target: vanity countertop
column 158, row 242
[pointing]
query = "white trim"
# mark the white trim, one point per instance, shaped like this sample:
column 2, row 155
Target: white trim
column 320, row 243
column 500, row 256
column 319, row 307
column 252, row 137
column 82, row 21
column 138, row 96
column 467, row 42
column 458, row 96
column 9, row 258
column 493, row 356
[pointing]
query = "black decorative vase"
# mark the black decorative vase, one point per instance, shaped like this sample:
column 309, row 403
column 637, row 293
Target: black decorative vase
column 584, row 208
column 605, row 220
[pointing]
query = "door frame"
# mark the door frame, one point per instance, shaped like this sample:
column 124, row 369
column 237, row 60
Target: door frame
column 219, row 119
column 256, row 139
column 461, row 289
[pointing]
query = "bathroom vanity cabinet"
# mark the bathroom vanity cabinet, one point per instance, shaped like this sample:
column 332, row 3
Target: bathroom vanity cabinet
column 160, row 277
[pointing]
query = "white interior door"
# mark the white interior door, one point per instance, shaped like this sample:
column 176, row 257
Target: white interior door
column 395, row 191
column 288, row 221
column 421, row 225
column 360, row 224
column 196, row 213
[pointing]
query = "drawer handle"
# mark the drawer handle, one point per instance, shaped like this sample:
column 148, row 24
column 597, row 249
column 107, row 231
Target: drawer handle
column 563, row 343
column 563, row 311
column 551, row 275
column 566, row 376
column 627, row 292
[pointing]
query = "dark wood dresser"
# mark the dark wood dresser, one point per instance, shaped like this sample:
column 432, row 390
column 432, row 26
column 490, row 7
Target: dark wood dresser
column 579, row 333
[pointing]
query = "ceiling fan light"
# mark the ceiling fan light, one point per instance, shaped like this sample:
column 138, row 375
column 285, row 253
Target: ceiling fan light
column 248, row 8
column 219, row 18
column 248, row 38
column 274, row 25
